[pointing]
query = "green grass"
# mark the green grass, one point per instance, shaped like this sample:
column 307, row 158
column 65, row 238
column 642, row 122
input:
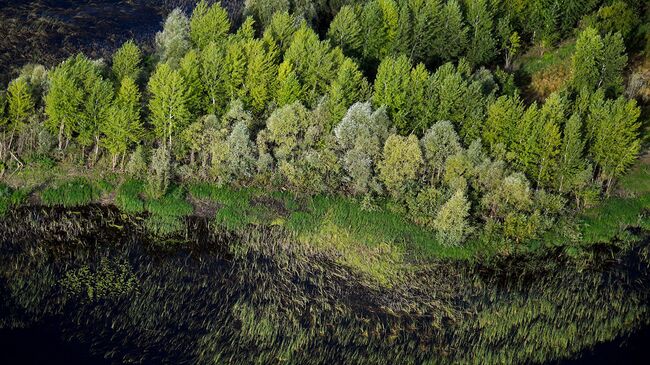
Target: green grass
column 531, row 64
column 71, row 193
column 10, row 198
column 128, row 197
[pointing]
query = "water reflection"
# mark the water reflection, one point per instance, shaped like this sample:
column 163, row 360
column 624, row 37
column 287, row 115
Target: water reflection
column 208, row 296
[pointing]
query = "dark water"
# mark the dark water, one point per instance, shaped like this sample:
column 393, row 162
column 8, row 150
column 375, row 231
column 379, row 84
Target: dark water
column 47, row 31
column 80, row 285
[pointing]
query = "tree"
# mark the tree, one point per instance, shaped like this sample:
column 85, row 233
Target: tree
column 213, row 78
column 174, row 40
column 380, row 19
column 598, row 62
column 241, row 160
column 123, row 127
column 510, row 41
column 481, row 47
column 314, row 63
column 126, row 62
column 439, row 143
column 346, row 31
column 281, row 30
column 208, row 24
column 190, row 70
column 401, row 164
column 234, row 69
column 451, row 221
column 65, row 97
column 260, row 73
column 264, row 10
column 168, row 104
column 287, row 128
column 350, row 86
column 419, row 22
column 503, row 118
column 613, row 129
column 95, row 111
column 391, row 89
column 360, row 136
column 159, row 173
column 287, row 86
column 451, row 38
column 571, row 161
column 20, row 104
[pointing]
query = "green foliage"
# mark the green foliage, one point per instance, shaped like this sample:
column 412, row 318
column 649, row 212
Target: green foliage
column 451, row 220
column 598, row 62
column 208, row 23
column 10, row 198
column 439, row 143
column 612, row 127
column 264, row 10
column 481, row 47
column 350, row 86
column 346, row 31
column 127, row 62
column 452, row 37
column 159, row 177
column 20, row 104
column 190, row 70
column 128, row 197
column 72, row 193
column 401, row 165
column 174, row 40
column 123, row 127
column 380, row 19
column 168, row 105
column 213, row 78
column 391, row 90
column 288, row 89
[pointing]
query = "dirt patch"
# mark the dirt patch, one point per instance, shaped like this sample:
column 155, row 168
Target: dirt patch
column 275, row 205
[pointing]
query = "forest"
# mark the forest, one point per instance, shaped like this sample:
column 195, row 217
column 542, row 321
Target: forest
column 409, row 105
column 328, row 181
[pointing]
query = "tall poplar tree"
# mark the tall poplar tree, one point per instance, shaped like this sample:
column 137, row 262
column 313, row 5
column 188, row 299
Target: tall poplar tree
column 208, row 23
column 168, row 104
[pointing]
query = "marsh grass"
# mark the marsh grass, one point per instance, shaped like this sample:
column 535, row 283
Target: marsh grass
column 10, row 198
column 128, row 197
column 70, row 193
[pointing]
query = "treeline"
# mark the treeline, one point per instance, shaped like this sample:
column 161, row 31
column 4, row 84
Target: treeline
column 455, row 149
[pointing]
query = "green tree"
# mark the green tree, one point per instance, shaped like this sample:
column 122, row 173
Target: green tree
column 264, row 10
column 234, row 69
column 598, row 62
column 380, row 19
column 65, row 97
column 281, row 30
column 451, row 38
column 614, row 138
column 208, row 24
column 350, row 86
column 99, row 93
column 314, row 63
column 346, row 31
column 571, row 161
column 123, row 127
column 419, row 21
column 190, row 70
column 391, row 89
column 213, row 78
column 174, row 40
column 482, row 45
column 127, row 62
column 451, row 222
column 288, row 89
column 504, row 116
column 260, row 73
column 168, row 104
column 360, row 136
column 20, row 105
column 439, row 143
column 401, row 164
column 159, row 175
